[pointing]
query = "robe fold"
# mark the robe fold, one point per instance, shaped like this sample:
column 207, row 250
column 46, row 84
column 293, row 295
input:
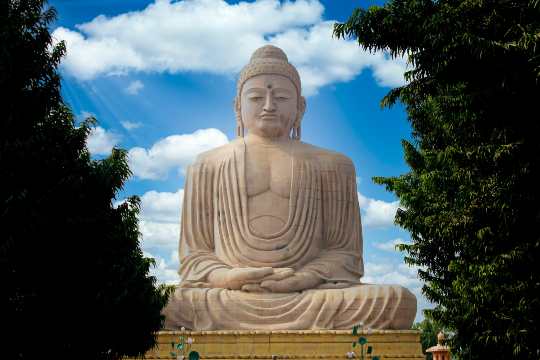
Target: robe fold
column 322, row 235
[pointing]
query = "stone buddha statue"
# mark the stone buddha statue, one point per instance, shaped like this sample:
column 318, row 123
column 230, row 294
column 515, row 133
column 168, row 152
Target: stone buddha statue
column 271, row 237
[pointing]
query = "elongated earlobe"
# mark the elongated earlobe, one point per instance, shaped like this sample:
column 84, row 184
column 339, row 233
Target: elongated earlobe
column 296, row 132
column 239, row 122
column 296, row 129
column 240, row 130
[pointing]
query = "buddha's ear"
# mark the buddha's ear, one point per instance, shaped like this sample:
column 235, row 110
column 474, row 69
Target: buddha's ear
column 296, row 128
column 237, row 109
column 238, row 112
column 301, row 108
column 236, row 104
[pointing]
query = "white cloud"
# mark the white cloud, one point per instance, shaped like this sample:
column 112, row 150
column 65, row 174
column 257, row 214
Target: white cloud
column 101, row 141
column 390, row 72
column 322, row 59
column 386, row 272
column 411, row 270
column 165, row 271
column 84, row 115
column 389, row 245
column 377, row 213
column 160, row 227
column 159, row 234
column 217, row 37
column 134, row 87
column 173, row 152
column 162, row 206
column 130, row 125
column 160, row 219
column 373, row 269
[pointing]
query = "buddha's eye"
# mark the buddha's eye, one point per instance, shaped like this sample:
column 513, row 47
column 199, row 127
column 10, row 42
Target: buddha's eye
column 256, row 98
column 282, row 98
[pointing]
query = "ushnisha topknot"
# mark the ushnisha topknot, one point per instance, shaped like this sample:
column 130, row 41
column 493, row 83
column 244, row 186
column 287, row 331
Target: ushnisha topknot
column 269, row 59
column 270, row 52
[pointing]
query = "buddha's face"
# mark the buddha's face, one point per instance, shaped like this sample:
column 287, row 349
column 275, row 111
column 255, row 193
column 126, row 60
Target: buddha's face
column 269, row 105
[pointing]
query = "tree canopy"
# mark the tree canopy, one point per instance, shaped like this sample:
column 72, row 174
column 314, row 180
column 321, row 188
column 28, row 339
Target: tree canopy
column 470, row 199
column 73, row 280
column 429, row 330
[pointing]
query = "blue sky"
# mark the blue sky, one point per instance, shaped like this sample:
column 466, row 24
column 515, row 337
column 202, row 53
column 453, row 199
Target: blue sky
column 160, row 78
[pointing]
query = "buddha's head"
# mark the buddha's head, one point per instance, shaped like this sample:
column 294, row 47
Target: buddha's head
column 268, row 102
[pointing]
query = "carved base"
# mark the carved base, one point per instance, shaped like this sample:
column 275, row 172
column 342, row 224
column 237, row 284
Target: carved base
column 306, row 344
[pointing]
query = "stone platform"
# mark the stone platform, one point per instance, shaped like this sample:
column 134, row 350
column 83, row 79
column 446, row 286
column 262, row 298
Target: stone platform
column 305, row 344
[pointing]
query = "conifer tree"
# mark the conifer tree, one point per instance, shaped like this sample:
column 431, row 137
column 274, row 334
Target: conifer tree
column 471, row 198
column 73, row 281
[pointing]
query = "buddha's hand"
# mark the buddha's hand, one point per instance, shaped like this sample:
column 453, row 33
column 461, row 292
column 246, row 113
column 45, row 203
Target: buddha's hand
column 297, row 282
column 278, row 274
column 235, row 278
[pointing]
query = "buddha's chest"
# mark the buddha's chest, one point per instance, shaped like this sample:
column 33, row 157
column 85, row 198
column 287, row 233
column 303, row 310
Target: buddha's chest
column 268, row 170
column 268, row 178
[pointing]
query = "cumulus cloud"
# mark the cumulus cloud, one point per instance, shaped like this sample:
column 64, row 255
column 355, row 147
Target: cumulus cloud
column 389, row 245
column 130, row 125
column 165, row 270
column 395, row 277
column 160, row 219
column 101, row 141
column 162, row 206
column 134, row 87
column 158, row 234
column 390, row 72
column 84, row 115
column 159, row 225
column 387, row 272
column 170, row 37
column 375, row 269
column 377, row 213
column 173, row 152
column 322, row 59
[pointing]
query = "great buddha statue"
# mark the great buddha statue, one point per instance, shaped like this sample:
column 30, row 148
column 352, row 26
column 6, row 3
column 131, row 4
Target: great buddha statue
column 271, row 237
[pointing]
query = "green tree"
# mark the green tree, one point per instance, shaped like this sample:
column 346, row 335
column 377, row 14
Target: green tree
column 430, row 329
column 470, row 199
column 73, row 281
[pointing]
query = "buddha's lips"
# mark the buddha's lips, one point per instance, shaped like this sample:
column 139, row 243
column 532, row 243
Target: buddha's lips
column 268, row 117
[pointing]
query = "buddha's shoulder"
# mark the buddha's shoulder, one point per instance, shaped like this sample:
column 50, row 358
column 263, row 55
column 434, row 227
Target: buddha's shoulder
column 325, row 157
column 218, row 153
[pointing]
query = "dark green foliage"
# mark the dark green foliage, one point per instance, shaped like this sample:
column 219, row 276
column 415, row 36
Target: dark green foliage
column 430, row 328
column 471, row 198
column 73, row 281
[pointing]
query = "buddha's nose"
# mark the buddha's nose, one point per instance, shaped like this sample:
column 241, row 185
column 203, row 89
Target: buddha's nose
column 269, row 104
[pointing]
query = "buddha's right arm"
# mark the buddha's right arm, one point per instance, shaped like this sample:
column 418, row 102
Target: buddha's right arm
column 197, row 251
column 197, row 269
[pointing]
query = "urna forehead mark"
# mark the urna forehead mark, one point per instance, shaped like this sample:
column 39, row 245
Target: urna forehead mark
column 268, row 82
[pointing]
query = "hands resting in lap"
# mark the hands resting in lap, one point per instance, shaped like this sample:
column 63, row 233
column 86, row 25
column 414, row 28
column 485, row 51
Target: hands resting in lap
column 265, row 279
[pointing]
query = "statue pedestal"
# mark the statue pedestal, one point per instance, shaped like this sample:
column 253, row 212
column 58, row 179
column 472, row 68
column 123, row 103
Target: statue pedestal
column 291, row 344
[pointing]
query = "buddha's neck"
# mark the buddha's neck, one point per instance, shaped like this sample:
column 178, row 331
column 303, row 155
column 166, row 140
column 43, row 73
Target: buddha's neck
column 266, row 141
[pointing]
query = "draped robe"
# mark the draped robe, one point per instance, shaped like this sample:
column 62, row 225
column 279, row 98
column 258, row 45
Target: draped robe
column 322, row 235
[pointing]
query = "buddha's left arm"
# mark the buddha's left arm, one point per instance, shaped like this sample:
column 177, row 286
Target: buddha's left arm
column 340, row 260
